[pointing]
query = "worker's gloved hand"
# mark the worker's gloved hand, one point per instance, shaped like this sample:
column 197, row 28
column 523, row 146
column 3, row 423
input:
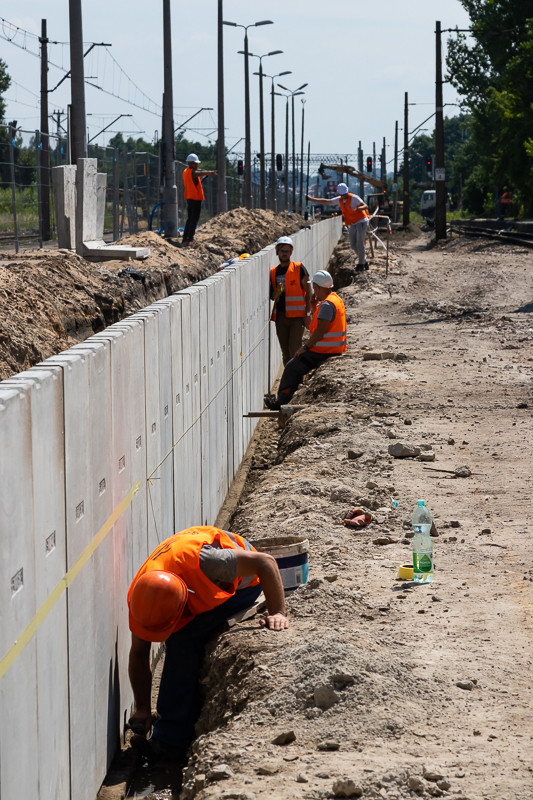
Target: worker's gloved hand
column 275, row 622
column 358, row 518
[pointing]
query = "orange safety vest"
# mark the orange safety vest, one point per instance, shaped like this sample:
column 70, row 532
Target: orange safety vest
column 334, row 340
column 180, row 554
column 294, row 294
column 351, row 215
column 192, row 191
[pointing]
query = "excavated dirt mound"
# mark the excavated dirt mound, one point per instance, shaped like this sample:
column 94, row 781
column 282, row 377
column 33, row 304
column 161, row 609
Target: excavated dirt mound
column 53, row 299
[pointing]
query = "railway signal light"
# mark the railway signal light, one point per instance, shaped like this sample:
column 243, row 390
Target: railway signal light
column 279, row 162
column 369, row 164
column 428, row 163
column 240, row 167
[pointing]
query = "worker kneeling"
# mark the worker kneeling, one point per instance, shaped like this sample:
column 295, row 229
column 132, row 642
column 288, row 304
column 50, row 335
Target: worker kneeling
column 328, row 338
column 185, row 590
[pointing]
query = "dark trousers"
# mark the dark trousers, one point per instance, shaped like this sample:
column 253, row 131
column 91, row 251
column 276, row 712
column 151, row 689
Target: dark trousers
column 290, row 331
column 295, row 370
column 193, row 215
column 179, row 701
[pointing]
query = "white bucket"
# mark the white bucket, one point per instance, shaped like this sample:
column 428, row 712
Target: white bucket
column 292, row 557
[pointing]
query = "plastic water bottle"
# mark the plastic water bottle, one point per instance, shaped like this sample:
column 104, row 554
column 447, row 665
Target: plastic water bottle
column 422, row 544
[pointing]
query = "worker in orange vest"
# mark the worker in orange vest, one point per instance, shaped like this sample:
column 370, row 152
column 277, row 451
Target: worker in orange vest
column 291, row 292
column 185, row 590
column 194, row 194
column 355, row 215
column 327, row 338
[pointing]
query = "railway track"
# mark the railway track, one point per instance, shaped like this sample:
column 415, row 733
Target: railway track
column 523, row 238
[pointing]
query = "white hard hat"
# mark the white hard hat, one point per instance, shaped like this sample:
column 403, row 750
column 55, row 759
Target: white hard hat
column 342, row 188
column 285, row 240
column 322, row 278
column 193, row 157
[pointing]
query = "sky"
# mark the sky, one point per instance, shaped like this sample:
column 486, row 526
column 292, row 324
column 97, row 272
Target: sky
column 358, row 59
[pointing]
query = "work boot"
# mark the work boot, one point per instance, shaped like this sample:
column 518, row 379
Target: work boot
column 156, row 750
column 272, row 402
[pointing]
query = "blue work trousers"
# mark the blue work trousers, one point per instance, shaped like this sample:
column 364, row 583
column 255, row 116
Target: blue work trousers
column 179, row 701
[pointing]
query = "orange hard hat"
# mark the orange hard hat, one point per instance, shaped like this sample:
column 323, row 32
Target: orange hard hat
column 156, row 604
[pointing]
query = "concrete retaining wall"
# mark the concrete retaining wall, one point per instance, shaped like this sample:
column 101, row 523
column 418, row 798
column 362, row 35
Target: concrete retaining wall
column 107, row 449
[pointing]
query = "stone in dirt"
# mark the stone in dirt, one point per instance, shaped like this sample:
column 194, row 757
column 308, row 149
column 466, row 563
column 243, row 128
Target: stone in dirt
column 284, row 738
column 400, row 450
column 346, row 787
column 325, row 697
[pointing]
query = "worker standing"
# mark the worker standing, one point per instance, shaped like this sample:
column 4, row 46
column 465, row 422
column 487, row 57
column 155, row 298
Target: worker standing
column 356, row 217
column 328, row 338
column 291, row 292
column 185, row 590
column 194, row 194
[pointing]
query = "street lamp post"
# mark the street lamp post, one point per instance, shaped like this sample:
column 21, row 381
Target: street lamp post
column 262, row 187
column 273, row 200
column 292, row 95
column 302, row 160
column 272, row 134
column 247, row 145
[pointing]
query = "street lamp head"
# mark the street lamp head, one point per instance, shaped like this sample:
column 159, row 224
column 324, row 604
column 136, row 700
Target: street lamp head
column 302, row 86
column 287, row 72
column 274, row 53
column 263, row 22
column 233, row 24
column 283, row 87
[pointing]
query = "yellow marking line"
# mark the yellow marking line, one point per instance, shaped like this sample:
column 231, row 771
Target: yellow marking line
column 26, row 635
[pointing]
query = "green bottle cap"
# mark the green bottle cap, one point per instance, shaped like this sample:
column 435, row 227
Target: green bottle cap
column 421, row 503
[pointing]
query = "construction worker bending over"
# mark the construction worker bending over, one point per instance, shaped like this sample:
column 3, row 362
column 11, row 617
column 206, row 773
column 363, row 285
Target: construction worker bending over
column 328, row 338
column 356, row 218
column 291, row 292
column 185, row 590
column 194, row 194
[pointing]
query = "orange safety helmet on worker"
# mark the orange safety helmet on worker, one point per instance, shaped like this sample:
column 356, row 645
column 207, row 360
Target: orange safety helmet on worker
column 192, row 190
column 170, row 589
column 351, row 215
column 334, row 340
column 294, row 294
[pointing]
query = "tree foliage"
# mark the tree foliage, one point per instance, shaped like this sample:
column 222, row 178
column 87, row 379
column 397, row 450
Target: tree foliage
column 5, row 83
column 492, row 69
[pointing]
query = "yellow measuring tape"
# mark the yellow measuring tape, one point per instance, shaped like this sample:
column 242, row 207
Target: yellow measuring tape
column 26, row 635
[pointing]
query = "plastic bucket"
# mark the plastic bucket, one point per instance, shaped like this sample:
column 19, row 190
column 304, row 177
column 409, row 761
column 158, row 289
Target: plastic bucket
column 292, row 557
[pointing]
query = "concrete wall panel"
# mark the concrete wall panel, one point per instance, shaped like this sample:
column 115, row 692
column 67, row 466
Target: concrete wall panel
column 45, row 390
column 18, row 686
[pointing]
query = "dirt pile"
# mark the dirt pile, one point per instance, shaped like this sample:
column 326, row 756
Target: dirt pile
column 53, row 299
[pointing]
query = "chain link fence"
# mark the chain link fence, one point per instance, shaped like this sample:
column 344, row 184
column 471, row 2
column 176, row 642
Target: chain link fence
column 134, row 191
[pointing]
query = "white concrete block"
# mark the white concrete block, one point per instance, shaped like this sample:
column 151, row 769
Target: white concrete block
column 101, row 189
column 64, row 188
column 86, row 170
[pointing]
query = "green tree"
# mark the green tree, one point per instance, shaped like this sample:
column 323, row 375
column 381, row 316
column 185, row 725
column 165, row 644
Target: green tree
column 493, row 71
column 5, row 83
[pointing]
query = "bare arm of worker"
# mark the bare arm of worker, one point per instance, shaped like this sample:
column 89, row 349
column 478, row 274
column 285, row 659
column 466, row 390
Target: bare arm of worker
column 203, row 173
column 140, row 675
column 264, row 566
column 316, row 336
column 308, row 300
column 322, row 200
